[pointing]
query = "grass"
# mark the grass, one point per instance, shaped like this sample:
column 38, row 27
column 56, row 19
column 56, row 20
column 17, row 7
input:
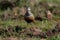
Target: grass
column 56, row 37
column 41, row 24
column 44, row 25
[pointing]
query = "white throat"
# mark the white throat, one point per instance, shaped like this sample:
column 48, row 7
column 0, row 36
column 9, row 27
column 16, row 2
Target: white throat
column 30, row 13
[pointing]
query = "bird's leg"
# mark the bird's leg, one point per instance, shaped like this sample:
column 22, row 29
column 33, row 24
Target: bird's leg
column 34, row 23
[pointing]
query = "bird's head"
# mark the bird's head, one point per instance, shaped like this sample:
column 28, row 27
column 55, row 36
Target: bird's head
column 28, row 8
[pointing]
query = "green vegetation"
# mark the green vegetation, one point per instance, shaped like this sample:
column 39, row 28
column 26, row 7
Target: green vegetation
column 44, row 25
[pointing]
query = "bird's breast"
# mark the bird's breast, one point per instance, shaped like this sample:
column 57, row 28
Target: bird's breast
column 29, row 18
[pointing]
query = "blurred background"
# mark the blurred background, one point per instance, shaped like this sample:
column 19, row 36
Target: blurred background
column 13, row 24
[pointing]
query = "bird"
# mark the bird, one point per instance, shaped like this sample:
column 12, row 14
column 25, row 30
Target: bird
column 29, row 17
column 48, row 14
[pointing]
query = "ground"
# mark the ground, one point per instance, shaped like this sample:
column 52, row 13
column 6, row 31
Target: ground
column 43, row 25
